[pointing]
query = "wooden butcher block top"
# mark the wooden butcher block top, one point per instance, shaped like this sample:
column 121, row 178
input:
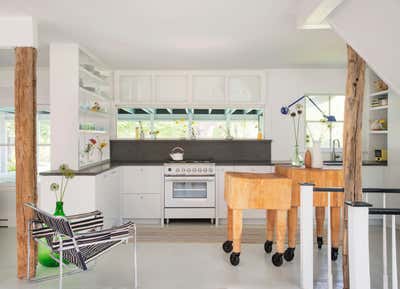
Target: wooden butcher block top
column 326, row 178
column 257, row 191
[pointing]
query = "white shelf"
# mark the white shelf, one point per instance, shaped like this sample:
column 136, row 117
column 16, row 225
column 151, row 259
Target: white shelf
column 93, row 94
column 92, row 76
column 88, row 131
column 94, row 113
column 378, row 132
column 383, row 92
column 381, row 107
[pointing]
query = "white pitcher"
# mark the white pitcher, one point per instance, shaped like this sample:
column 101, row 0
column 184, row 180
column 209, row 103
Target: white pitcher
column 316, row 156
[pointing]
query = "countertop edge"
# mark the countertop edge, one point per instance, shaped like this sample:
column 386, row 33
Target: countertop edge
column 102, row 168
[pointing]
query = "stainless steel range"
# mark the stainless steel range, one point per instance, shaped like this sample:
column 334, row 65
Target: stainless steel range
column 189, row 190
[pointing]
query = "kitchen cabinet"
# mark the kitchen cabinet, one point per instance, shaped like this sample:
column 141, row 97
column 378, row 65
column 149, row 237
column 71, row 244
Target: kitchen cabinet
column 85, row 194
column 221, row 204
column 142, row 192
column 107, row 196
column 208, row 89
column 141, row 206
column 245, row 89
column 142, row 180
column 220, row 187
column 171, row 88
column 135, row 88
column 191, row 88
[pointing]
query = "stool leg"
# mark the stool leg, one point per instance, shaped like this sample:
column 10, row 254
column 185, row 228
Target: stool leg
column 292, row 232
column 230, row 224
column 270, row 218
column 280, row 232
column 335, row 230
column 237, row 234
column 227, row 245
column 320, row 216
column 292, row 227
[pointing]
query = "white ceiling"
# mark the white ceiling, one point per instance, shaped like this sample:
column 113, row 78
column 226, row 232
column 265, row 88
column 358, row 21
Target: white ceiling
column 181, row 34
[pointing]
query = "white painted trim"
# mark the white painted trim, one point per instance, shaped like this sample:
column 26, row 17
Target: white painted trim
column 306, row 237
column 18, row 32
column 358, row 229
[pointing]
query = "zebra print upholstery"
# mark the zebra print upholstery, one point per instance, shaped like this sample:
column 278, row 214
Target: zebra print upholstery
column 79, row 248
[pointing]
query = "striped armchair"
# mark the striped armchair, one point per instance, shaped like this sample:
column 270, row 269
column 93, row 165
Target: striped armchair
column 79, row 239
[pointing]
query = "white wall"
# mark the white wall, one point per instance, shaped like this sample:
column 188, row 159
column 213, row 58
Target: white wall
column 374, row 34
column 283, row 87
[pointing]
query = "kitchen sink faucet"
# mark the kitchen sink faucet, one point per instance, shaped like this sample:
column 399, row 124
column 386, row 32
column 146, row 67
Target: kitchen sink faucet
column 335, row 156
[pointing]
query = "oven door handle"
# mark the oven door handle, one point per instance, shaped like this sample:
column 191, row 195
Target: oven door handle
column 189, row 179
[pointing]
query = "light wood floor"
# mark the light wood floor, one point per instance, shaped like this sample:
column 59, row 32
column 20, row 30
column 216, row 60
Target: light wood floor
column 197, row 233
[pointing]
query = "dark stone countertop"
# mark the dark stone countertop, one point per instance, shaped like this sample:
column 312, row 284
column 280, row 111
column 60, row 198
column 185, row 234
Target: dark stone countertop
column 106, row 166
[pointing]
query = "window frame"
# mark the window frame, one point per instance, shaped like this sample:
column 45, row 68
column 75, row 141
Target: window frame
column 6, row 179
column 190, row 118
column 329, row 112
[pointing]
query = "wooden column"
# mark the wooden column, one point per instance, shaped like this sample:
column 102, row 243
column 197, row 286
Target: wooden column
column 352, row 149
column 25, row 151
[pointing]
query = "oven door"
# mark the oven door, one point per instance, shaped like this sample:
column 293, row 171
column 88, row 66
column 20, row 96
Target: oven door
column 190, row 192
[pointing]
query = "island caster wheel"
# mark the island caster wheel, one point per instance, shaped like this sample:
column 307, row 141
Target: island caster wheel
column 320, row 241
column 334, row 253
column 277, row 259
column 227, row 246
column 268, row 246
column 289, row 254
column 235, row 258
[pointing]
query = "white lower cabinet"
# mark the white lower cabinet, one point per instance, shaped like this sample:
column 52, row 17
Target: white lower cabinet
column 107, row 201
column 221, row 204
column 86, row 194
column 141, row 206
column 142, row 192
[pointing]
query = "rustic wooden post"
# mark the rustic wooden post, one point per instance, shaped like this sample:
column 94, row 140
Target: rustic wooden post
column 25, row 151
column 352, row 149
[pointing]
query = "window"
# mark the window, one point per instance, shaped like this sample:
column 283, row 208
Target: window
column 162, row 123
column 7, row 143
column 317, row 128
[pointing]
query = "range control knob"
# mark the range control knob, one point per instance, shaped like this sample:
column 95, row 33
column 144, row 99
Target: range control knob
column 188, row 170
column 178, row 170
column 210, row 170
column 205, row 170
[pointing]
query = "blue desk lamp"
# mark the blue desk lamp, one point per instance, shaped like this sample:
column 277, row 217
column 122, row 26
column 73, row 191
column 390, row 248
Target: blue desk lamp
column 285, row 109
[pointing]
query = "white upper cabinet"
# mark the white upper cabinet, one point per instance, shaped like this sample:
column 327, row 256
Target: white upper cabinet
column 191, row 88
column 208, row 89
column 245, row 89
column 171, row 88
column 135, row 88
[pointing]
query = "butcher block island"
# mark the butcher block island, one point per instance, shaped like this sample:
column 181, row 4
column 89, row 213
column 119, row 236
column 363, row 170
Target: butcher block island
column 256, row 191
column 320, row 178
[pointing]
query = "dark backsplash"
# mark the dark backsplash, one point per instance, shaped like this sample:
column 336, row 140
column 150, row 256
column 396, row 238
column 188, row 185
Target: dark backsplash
column 218, row 151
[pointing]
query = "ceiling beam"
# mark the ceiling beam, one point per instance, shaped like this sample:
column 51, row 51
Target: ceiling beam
column 312, row 14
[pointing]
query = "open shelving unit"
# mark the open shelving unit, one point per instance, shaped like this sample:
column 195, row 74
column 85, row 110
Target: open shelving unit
column 377, row 102
column 81, row 100
column 94, row 108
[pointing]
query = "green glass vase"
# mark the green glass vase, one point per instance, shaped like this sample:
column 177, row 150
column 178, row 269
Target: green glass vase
column 44, row 252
